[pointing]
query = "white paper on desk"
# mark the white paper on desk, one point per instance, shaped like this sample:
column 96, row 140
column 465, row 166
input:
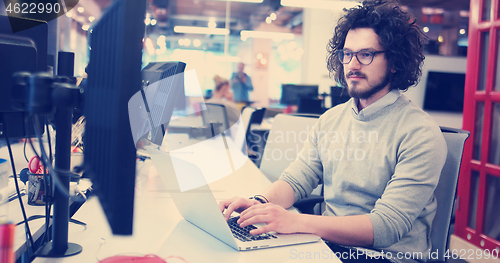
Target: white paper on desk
column 10, row 190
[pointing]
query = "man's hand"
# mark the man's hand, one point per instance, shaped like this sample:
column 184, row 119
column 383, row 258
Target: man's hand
column 236, row 204
column 277, row 219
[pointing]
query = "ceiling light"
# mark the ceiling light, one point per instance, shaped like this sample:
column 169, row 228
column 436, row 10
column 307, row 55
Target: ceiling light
column 69, row 14
column 187, row 42
column 273, row 16
column 462, row 31
column 264, row 34
column 196, row 43
column 153, row 22
column 147, row 21
column 321, row 4
column 91, row 18
column 269, row 20
column 212, row 24
column 425, row 29
column 81, row 9
column 247, row 1
column 212, row 57
column 161, row 41
column 201, row 30
column 85, row 27
column 150, row 47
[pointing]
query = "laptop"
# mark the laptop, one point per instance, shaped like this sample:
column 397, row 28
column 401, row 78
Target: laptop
column 199, row 207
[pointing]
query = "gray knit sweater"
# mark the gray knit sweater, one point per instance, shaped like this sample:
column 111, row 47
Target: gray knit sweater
column 384, row 161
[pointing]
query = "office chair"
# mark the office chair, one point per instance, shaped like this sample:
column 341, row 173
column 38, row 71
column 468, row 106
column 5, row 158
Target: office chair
column 216, row 113
column 445, row 192
column 285, row 140
column 244, row 126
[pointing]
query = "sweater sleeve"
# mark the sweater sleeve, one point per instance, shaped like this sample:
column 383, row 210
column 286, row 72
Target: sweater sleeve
column 421, row 153
column 306, row 172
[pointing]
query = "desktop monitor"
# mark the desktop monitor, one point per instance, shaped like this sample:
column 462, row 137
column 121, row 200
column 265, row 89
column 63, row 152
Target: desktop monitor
column 21, row 51
column 339, row 95
column 114, row 75
column 162, row 78
column 444, row 92
column 291, row 93
column 155, row 71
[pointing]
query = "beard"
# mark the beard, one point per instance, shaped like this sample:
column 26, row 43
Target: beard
column 365, row 94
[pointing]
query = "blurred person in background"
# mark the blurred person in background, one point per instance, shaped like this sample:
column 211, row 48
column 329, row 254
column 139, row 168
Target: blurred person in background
column 241, row 84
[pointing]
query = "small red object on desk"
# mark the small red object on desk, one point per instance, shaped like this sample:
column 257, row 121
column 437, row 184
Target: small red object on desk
column 7, row 243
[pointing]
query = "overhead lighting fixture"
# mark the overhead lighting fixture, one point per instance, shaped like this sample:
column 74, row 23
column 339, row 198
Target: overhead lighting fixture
column 321, row 4
column 245, row 34
column 81, row 9
column 247, row 1
column 201, row 30
column 212, row 57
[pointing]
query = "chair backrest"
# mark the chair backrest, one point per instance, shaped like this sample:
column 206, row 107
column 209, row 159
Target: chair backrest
column 216, row 113
column 446, row 189
column 286, row 138
column 243, row 126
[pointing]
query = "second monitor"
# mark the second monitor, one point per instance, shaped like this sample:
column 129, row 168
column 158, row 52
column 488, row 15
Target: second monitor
column 291, row 94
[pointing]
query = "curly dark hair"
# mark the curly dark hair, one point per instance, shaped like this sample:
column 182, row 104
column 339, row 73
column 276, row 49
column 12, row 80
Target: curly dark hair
column 401, row 38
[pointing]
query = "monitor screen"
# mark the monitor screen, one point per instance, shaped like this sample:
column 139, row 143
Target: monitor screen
column 291, row 93
column 444, row 92
column 114, row 76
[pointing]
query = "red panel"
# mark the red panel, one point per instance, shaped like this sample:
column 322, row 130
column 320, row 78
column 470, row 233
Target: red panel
column 472, row 96
column 468, row 120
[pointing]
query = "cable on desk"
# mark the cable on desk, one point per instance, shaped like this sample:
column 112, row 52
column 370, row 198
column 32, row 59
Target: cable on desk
column 53, row 174
column 71, row 220
column 150, row 258
column 28, row 231
column 48, row 187
column 24, row 149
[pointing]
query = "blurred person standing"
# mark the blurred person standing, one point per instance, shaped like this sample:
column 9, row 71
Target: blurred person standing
column 241, row 84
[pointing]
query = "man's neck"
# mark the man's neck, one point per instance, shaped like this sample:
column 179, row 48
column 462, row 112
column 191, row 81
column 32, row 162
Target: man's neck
column 363, row 103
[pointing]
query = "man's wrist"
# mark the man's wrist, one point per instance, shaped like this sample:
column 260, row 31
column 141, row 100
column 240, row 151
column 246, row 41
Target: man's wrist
column 262, row 199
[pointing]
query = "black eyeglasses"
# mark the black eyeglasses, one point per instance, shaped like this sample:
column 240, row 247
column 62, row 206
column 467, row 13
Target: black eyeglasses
column 364, row 57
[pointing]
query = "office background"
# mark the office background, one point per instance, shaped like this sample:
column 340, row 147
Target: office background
column 294, row 54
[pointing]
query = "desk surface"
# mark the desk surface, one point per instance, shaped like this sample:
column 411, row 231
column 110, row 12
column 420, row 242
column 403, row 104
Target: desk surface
column 159, row 228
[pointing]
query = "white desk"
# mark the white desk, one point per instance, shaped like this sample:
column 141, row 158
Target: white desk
column 37, row 226
column 159, row 228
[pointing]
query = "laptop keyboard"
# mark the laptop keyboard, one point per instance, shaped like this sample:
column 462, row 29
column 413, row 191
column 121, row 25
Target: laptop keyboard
column 243, row 234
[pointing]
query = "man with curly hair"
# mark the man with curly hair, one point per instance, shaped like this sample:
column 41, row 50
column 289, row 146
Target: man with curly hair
column 378, row 156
